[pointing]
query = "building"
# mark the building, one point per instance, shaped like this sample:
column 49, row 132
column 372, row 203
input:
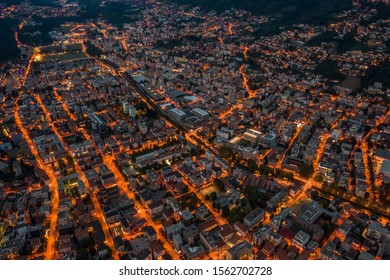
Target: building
column 252, row 135
column 177, row 114
column 268, row 248
column 174, row 229
column 279, row 220
column 50, row 148
column 224, row 133
column 377, row 231
column 125, row 105
column 380, row 156
column 191, row 253
column 361, row 189
column 209, row 241
column 190, row 234
column 301, row 239
column 156, row 207
column 308, row 215
column 200, row 113
column 345, row 228
column 232, row 96
column 132, row 111
column 177, row 242
column 384, row 172
column 186, row 217
column 254, row 218
column 327, row 252
column 240, row 251
column 270, row 139
column 80, row 149
column 97, row 122
column 259, row 236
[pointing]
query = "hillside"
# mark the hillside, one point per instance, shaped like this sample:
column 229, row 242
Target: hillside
column 288, row 11
column 8, row 48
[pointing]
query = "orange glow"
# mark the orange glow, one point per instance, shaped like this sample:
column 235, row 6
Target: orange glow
column 230, row 29
column 245, row 83
column 98, row 210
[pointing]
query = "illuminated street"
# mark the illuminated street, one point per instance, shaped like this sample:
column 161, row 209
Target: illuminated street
column 227, row 131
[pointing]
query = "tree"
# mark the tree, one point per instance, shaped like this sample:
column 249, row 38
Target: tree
column 318, row 178
column 87, row 199
column 314, row 195
column 213, row 196
column 252, row 166
column 265, row 170
column 225, row 211
column 266, row 161
column 82, row 254
column 306, row 170
column 167, row 256
column 152, row 114
column 229, row 154
column 256, row 197
column 219, row 184
column 92, row 250
column 283, row 174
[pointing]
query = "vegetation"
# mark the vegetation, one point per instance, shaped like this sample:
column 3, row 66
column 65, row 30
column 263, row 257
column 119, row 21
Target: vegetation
column 117, row 13
column 237, row 214
column 213, row 196
column 27, row 170
column 189, row 201
column 384, row 195
column 49, row 3
column 328, row 69
column 383, row 11
column 82, row 254
column 168, row 45
column 279, row 173
column 92, row 50
column 219, row 184
column 377, row 74
column 257, row 197
column 166, row 256
column 228, row 154
column 38, row 34
column 8, row 47
column 306, row 170
column 287, row 11
column 11, row 2
column 324, row 37
column 225, row 211
column 348, row 42
column 318, row 178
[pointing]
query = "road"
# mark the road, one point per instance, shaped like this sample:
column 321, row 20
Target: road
column 53, row 185
column 121, row 182
column 365, row 154
column 290, row 144
column 50, row 250
column 98, row 211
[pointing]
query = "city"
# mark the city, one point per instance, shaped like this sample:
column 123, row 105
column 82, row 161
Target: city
column 145, row 135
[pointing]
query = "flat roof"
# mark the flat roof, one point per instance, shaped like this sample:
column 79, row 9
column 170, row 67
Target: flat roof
column 254, row 214
column 178, row 111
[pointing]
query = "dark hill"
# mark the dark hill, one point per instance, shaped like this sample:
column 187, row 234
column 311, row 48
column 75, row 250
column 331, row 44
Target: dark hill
column 311, row 11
